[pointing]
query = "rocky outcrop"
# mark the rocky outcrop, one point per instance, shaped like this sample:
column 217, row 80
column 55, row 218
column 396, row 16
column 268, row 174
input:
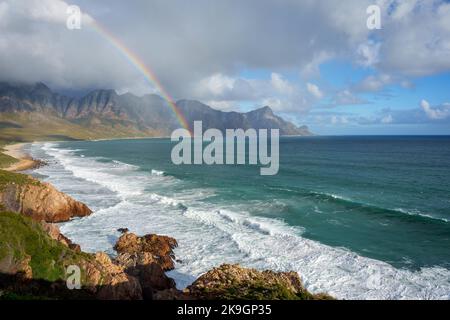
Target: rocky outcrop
column 34, row 258
column 109, row 281
column 146, row 258
column 14, row 265
column 41, row 201
column 53, row 231
column 159, row 247
column 235, row 282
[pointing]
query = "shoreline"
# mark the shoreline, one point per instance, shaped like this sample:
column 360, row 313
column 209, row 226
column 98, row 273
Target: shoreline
column 138, row 280
column 174, row 276
column 24, row 160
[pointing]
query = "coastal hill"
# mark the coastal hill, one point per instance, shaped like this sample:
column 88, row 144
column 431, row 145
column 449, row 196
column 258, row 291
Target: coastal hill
column 35, row 112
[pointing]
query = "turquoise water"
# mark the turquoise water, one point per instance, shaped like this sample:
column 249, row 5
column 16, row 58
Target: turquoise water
column 351, row 206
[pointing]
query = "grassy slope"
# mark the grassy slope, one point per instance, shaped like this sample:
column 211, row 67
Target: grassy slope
column 20, row 236
column 5, row 160
column 26, row 127
column 7, row 177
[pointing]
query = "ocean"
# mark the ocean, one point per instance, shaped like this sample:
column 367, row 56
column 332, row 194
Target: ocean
column 357, row 217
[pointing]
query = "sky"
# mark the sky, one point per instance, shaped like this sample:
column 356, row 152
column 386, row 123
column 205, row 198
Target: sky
column 314, row 62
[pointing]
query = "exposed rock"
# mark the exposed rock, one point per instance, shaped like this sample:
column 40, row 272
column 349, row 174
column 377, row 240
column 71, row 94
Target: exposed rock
column 14, row 265
column 123, row 230
column 54, row 233
column 160, row 247
column 41, row 201
column 112, row 281
column 147, row 258
column 235, row 282
column 172, row 294
column 106, row 113
column 46, row 276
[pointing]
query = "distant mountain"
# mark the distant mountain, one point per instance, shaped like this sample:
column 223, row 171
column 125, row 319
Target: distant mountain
column 30, row 112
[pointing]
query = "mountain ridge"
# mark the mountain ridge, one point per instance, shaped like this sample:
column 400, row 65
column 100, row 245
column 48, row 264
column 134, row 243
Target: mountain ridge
column 103, row 113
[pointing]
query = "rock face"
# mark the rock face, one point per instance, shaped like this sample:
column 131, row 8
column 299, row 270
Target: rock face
column 41, row 201
column 160, row 247
column 235, row 282
column 53, row 231
column 146, row 258
column 108, row 111
column 262, row 118
column 109, row 281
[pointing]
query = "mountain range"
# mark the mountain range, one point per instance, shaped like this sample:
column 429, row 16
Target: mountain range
column 35, row 112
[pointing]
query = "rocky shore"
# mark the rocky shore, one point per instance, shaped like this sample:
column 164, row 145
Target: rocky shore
column 35, row 257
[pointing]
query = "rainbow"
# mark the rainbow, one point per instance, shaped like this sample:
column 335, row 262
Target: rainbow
column 148, row 74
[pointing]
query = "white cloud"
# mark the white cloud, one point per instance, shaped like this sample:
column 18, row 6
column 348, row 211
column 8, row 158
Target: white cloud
column 437, row 113
column 403, row 9
column 314, row 90
column 311, row 69
column 225, row 93
column 217, row 84
column 368, row 53
column 37, row 46
column 375, row 82
column 416, row 38
column 280, row 85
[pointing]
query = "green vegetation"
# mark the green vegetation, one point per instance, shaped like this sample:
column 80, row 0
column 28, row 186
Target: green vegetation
column 21, row 237
column 28, row 127
column 7, row 177
column 260, row 290
column 5, row 160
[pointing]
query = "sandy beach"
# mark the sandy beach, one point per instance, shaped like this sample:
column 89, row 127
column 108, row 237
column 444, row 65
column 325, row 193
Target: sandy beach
column 25, row 161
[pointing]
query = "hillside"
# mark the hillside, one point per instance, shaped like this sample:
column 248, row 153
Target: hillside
column 35, row 112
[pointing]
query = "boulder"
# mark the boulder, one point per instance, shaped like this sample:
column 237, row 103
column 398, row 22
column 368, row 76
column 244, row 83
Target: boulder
column 160, row 247
column 146, row 258
column 235, row 282
column 112, row 282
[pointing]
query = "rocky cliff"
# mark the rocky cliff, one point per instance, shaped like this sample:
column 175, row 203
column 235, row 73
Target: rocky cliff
column 34, row 111
column 38, row 200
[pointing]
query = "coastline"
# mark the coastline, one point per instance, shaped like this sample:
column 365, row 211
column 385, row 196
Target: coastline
column 304, row 269
column 25, row 161
column 138, row 272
